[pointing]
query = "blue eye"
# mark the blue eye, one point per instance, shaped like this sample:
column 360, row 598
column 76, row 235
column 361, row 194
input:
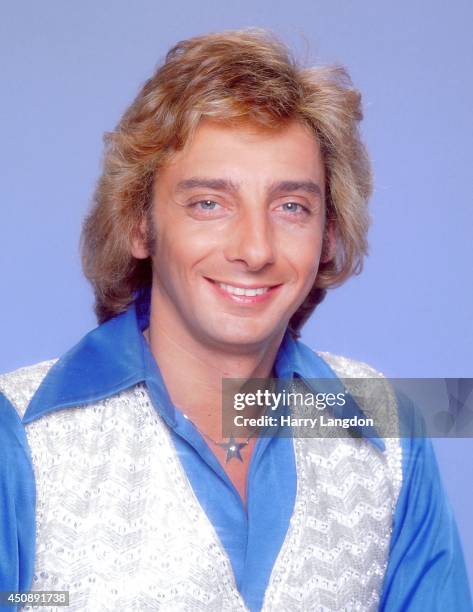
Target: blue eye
column 294, row 207
column 206, row 209
column 206, row 204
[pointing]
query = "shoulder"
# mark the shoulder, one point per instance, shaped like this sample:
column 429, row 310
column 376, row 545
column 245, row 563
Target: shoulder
column 348, row 367
column 19, row 386
column 375, row 396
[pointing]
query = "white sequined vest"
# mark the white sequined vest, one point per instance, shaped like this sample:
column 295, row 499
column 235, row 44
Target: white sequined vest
column 120, row 528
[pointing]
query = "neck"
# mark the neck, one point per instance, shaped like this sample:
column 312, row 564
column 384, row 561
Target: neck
column 193, row 369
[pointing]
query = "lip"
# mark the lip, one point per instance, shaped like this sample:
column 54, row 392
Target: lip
column 244, row 299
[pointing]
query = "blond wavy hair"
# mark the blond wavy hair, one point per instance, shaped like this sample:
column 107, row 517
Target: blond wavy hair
column 235, row 76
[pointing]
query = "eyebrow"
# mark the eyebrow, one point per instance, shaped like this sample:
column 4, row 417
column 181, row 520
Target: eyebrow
column 226, row 185
column 289, row 186
column 209, row 183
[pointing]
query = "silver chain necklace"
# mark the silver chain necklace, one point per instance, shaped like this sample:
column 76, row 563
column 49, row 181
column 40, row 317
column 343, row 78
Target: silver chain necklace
column 232, row 447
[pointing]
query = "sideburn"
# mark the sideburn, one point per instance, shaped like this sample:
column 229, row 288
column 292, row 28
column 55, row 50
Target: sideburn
column 150, row 237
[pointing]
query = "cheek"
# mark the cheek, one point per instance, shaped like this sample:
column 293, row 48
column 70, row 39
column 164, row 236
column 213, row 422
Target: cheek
column 178, row 252
column 310, row 267
column 303, row 255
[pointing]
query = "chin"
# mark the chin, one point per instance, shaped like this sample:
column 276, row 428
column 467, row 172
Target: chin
column 244, row 335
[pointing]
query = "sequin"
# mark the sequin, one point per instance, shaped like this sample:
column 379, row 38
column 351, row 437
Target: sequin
column 118, row 523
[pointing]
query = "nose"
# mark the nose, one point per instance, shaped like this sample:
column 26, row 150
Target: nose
column 251, row 240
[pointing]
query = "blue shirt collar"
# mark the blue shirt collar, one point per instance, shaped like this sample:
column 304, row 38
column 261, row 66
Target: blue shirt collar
column 296, row 359
column 115, row 356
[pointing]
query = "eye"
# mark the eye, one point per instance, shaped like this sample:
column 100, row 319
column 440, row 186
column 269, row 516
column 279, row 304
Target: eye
column 294, row 208
column 206, row 208
column 206, row 205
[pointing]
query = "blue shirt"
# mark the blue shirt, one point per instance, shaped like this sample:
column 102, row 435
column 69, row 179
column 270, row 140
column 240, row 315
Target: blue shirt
column 425, row 570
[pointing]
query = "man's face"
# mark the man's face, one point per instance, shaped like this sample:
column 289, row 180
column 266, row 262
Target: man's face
column 238, row 221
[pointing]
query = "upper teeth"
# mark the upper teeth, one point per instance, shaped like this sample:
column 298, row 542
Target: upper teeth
column 242, row 291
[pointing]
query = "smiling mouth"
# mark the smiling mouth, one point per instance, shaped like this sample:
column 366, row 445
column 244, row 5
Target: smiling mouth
column 243, row 294
column 242, row 290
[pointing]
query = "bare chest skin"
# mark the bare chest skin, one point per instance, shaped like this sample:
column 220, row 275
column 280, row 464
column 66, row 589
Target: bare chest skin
column 236, row 470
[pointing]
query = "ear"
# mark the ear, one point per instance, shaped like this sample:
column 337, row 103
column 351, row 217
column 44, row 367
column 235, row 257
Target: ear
column 329, row 245
column 139, row 243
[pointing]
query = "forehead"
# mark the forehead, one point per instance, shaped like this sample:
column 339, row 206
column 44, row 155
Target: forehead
column 245, row 151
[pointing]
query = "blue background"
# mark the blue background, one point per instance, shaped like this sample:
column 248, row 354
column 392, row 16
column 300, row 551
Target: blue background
column 70, row 69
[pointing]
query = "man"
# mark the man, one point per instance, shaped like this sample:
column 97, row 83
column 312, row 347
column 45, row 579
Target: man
column 234, row 192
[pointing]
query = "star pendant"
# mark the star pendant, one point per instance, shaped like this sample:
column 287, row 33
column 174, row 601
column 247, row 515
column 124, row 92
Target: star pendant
column 233, row 449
